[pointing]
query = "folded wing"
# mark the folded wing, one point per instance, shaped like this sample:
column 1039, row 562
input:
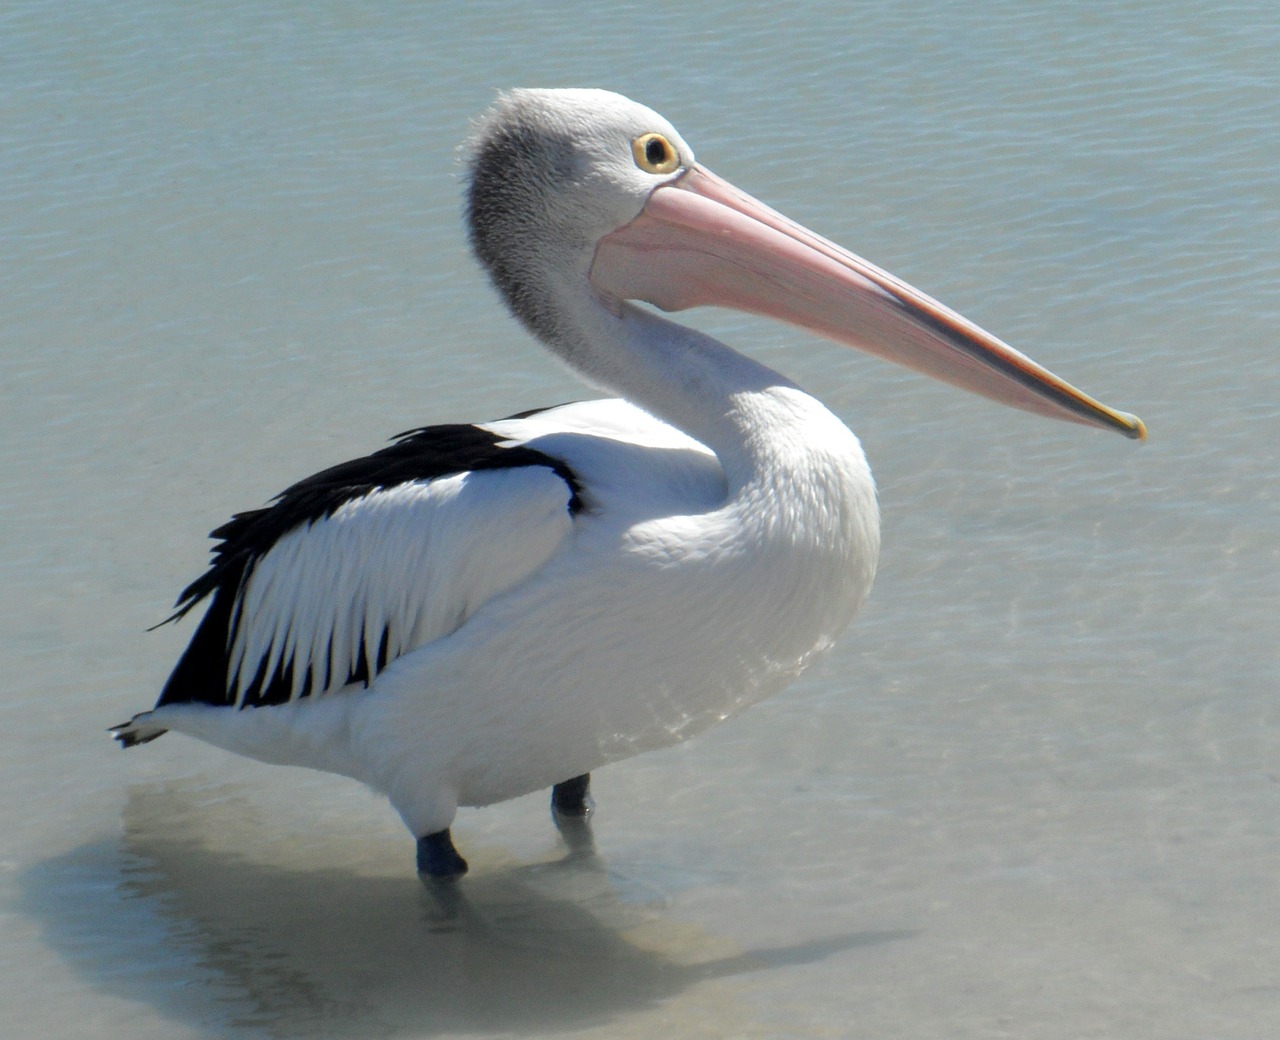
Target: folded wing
column 366, row 561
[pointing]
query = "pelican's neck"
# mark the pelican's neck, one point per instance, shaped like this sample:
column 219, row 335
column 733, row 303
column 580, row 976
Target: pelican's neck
column 737, row 407
column 797, row 486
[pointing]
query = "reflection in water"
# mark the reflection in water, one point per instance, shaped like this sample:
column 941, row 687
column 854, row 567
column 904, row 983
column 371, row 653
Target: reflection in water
column 212, row 936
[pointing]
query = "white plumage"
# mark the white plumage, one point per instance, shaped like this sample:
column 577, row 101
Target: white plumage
column 414, row 560
column 478, row 612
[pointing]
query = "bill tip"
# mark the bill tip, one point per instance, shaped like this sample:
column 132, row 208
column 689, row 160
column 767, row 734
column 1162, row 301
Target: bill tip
column 1134, row 428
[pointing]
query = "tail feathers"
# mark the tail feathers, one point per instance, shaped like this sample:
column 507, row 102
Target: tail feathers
column 137, row 731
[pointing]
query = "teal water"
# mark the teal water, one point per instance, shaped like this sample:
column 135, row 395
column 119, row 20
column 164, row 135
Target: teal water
column 1034, row 791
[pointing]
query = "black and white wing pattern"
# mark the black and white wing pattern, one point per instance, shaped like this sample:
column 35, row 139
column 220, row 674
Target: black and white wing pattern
column 358, row 564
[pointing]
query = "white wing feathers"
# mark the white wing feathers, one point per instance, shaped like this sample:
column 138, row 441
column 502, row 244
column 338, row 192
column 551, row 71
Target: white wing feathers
column 335, row 600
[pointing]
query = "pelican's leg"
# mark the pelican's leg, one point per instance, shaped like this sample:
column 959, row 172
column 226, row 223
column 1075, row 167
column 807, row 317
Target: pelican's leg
column 438, row 858
column 573, row 797
column 571, row 805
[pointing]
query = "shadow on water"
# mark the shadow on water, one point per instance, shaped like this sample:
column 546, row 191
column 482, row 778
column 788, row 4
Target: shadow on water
column 177, row 916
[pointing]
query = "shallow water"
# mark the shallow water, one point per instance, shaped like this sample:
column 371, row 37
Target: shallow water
column 1034, row 790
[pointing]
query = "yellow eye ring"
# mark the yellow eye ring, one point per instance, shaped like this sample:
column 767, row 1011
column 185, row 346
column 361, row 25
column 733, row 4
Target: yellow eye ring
column 655, row 154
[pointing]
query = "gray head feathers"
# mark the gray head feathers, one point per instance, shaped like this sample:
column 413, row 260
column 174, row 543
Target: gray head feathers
column 551, row 172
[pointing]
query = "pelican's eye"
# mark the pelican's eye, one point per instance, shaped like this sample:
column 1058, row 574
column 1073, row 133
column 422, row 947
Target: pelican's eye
column 655, row 154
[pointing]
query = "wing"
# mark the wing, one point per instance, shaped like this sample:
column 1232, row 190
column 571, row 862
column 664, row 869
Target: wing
column 635, row 466
column 364, row 562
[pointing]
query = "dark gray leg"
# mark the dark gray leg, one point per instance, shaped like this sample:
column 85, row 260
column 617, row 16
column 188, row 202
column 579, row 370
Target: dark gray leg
column 438, row 858
column 573, row 797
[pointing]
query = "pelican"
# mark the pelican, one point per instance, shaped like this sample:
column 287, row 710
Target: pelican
column 477, row 612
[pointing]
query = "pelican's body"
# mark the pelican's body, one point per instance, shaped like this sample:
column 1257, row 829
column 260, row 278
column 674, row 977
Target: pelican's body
column 479, row 612
column 668, row 602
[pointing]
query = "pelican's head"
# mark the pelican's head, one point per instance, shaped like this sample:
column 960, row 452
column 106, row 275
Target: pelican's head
column 552, row 173
column 575, row 190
